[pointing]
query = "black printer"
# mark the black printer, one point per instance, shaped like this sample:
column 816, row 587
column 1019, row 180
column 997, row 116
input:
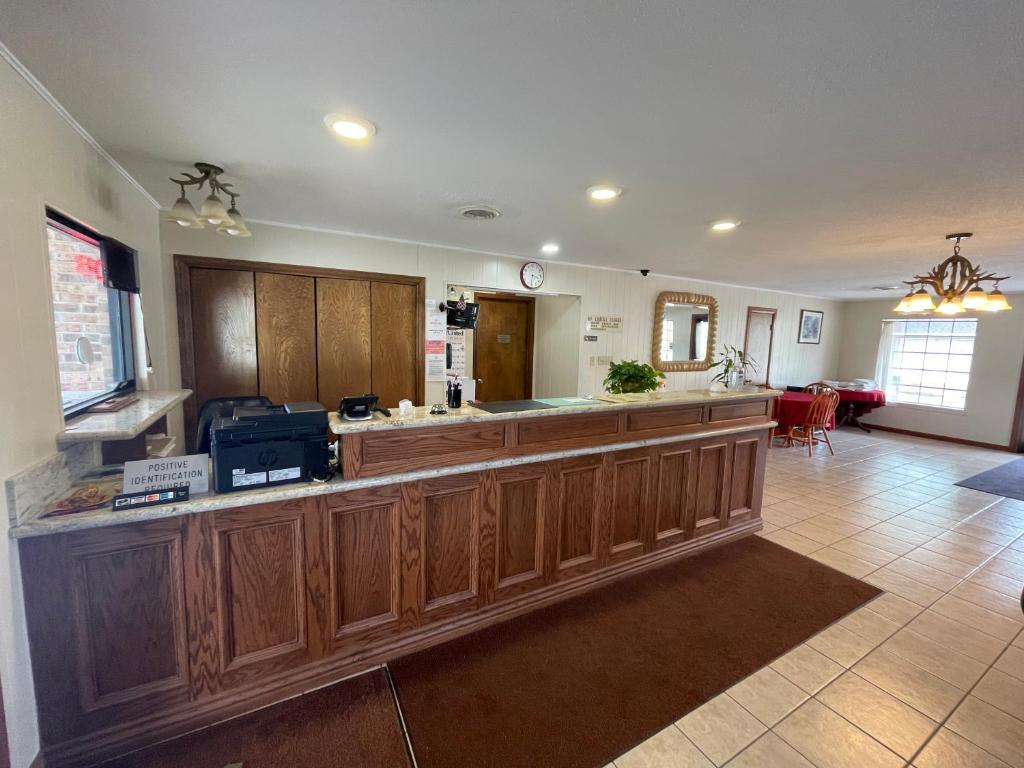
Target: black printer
column 264, row 445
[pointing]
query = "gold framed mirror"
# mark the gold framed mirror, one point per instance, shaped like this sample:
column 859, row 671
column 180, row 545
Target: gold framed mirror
column 685, row 326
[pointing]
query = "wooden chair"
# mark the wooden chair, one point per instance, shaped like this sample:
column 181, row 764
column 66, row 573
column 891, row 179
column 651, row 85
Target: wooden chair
column 821, row 411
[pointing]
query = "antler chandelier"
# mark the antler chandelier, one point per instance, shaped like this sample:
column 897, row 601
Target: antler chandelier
column 958, row 285
column 228, row 221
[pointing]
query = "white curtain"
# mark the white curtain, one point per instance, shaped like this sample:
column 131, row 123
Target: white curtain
column 143, row 370
column 700, row 344
column 885, row 342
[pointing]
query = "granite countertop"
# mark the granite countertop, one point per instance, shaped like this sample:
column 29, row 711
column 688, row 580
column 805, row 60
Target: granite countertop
column 124, row 424
column 101, row 518
column 421, row 416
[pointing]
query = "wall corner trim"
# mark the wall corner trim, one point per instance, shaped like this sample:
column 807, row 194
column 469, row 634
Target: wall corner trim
column 49, row 98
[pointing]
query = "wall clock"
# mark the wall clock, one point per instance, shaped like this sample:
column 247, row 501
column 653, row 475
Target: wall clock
column 532, row 275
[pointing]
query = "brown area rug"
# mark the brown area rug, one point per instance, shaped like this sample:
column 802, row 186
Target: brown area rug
column 579, row 683
column 353, row 724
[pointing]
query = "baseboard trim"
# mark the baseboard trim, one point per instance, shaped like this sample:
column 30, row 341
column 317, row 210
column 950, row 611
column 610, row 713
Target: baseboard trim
column 942, row 438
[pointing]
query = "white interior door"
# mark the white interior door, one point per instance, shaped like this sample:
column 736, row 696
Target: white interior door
column 758, row 344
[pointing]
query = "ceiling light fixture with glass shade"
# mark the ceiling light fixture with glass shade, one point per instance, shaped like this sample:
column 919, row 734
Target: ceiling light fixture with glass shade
column 212, row 212
column 957, row 284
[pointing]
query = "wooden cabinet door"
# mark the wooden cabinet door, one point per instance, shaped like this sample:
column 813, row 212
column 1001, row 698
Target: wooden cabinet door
column 514, row 530
column 745, row 479
column 396, row 340
column 576, row 498
column 712, row 494
column 674, row 495
column 342, row 339
column 286, row 337
column 629, row 520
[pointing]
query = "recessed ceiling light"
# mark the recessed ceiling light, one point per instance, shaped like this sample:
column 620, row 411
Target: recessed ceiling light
column 550, row 249
column 725, row 225
column 603, row 193
column 350, row 127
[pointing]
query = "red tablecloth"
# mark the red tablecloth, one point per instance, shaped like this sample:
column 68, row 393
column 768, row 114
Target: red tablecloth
column 872, row 398
column 791, row 410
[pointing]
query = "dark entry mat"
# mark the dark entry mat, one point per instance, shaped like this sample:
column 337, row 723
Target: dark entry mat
column 1007, row 480
column 576, row 684
column 352, row 724
column 511, row 406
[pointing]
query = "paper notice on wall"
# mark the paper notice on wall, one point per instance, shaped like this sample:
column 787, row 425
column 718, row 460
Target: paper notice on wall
column 436, row 326
column 457, row 343
column 605, row 323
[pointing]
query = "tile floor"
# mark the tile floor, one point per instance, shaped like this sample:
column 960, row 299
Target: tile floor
column 931, row 673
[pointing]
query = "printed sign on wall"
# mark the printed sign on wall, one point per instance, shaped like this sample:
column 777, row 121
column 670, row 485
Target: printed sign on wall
column 605, row 323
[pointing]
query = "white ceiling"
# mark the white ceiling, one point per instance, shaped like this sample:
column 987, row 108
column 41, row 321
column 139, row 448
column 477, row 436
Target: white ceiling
column 848, row 135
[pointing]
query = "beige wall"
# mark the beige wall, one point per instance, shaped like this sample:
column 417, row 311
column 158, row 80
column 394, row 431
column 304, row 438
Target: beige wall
column 44, row 161
column 556, row 347
column 602, row 292
column 995, row 370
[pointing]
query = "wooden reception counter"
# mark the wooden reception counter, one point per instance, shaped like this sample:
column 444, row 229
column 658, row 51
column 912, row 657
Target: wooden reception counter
column 145, row 627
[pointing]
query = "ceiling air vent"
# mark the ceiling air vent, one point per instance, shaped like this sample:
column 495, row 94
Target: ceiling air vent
column 479, row 212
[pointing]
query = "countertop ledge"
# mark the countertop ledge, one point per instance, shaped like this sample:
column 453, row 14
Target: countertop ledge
column 45, row 526
column 421, row 416
column 124, row 424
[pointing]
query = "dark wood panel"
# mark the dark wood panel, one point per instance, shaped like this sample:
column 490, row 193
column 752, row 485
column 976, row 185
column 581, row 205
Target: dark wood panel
column 520, row 527
column 400, row 445
column 742, row 475
column 262, row 579
column 662, row 418
column 343, row 339
column 503, row 347
column 286, row 337
column 128, row 609
column 365, row 566
column 577, row 485
column 737, row 411
column 396, row 320
column 711, row 491
column 630, row 480
column 450, row 544
column 674, row 507
column 543, row 430
column 224, row 333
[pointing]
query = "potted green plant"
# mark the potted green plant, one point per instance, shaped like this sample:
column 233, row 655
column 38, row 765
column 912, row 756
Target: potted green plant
column 632, row 376
column 734, row 364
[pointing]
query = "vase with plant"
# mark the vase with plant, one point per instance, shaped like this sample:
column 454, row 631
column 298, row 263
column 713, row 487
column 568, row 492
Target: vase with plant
column 632, row 376
column 734, row 364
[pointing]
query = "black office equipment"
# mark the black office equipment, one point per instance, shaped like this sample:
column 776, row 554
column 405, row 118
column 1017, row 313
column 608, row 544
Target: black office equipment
column 216, row 407
column 465, row 316
column 265, row 445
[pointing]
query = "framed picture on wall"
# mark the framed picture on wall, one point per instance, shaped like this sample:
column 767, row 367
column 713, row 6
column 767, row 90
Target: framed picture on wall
column 810, row 326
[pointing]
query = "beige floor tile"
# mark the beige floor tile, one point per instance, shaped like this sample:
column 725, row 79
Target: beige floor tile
column 790, row 540
column 841, row 645
column 1004, row 605
column 904, row 586
column 864, row 551
column 852, row 517
column 870, row 625
column 997, row 533
column 721, row 728
column 941, row 562
column 971, row 544
column 991, row 729
column 880, row 540
column 943, row 662
column 843, row 527
column 895, row 608
column 841, row 561
column 829, row 741
column 811, row 530
column 807, row 668
column 982, row 619
column 949, row 750
column 1012, row 662
column 778, row 517
column 957, row 635
column 898, row 726
column 768, row 695
column 888, row 528
column 997, row 582
column 925, row 574
column 666, row 749
column 961, row 552
column 917, row 526
column 770, row 751
column 1003, row 691
column 910, row 684
column 1006, row 568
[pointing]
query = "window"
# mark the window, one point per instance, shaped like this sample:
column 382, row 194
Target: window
column 92, row 315
column 926, row 362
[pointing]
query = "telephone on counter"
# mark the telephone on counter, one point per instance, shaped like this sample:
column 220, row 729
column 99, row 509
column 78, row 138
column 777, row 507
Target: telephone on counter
column 360, row 408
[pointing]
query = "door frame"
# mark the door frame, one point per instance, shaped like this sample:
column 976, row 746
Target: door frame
column 183, row 263
column 774, row 312
column 531, row 306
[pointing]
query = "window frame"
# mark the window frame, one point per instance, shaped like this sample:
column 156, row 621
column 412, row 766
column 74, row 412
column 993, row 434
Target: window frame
column 948, row 409
column 122, row 319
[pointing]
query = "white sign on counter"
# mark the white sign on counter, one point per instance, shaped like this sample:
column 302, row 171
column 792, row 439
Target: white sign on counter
column 152, row 474
column 605, row 323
